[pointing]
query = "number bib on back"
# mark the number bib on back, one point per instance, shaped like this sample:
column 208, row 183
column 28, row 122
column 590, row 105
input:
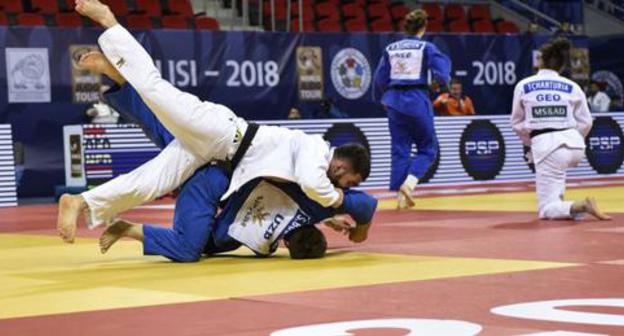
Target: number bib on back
column 266, row 215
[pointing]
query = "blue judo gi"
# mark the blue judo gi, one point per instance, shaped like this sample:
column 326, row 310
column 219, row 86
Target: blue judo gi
column 196, row 227
column 400, row 84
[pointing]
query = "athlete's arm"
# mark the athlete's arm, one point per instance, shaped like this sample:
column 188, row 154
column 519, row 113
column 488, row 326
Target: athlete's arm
column 517, row 117
column 311, row 164
column 581, row 113
column 381, row 78
column 439, row 64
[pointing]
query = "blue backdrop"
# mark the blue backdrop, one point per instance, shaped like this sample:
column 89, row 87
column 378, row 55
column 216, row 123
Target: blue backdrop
column 253, row 73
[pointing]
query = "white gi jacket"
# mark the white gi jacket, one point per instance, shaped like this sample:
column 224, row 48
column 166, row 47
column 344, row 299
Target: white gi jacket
column 547, row 100
column 290, row 155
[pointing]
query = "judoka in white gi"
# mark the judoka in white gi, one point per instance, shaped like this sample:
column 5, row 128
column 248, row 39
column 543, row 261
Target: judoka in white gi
column 204, row 132
column 550, row 114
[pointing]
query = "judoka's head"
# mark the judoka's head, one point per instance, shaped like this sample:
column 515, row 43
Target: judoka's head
column 415, row 22
column 555, row 55
column 306, row 242
column 349, row 166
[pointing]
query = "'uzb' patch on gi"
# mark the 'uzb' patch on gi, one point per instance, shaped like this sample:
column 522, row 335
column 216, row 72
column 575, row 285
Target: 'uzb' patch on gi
column 550, row 111
column 266, row 215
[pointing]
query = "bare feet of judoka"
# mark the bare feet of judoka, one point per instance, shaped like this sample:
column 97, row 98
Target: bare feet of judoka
column 70, row 207
column 118, row 230
column 405, row 199
column 589, row 205
column 97, row 12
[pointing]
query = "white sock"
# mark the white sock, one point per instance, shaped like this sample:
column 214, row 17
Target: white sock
column 411, row 181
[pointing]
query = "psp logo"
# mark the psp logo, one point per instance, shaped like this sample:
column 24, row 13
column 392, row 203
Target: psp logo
column 604, row 146
column 482, row 147
column 482, row 150
column 605, row 143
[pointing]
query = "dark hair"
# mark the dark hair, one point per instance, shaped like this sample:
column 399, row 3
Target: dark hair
column 357, row 155
column 306, row 242
column 556, row 53
column 415, row 21
column 455, row 81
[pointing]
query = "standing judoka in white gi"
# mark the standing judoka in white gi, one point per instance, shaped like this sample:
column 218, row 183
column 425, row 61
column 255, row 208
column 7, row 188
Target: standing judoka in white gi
column 550, row 114
column 204, row 132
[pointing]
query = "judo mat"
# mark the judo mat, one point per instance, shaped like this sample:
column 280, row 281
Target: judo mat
column 472, row 261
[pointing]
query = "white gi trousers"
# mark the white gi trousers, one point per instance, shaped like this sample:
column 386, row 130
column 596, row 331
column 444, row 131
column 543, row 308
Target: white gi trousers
column 550, row 176
column 204, row 132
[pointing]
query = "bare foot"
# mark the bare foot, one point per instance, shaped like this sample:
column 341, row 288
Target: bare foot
column 405, row 198
column 113, row 233
column 591, row 207
column 70, row 207
column 97, row 12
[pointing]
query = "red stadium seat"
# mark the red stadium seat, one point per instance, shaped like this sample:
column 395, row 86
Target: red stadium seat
column 138, row 21
column 148, row 7
column 68, row 20
column 11, row 6
column 507, row 27
column 329, row 25
column 67, row 5
column 327, row 10
column 44, row 6
column 377, row 10
column 399, row 11
column 280, row 10
column 479, row 12
column 459, row 26
column 175, row 22
column 30, row 19
column 308, row 12
column 180, row 7
column 353, row 10
column 119, row 7
column 483, row 26
column 435, row 27
column 454, row 12
column 206, row 23
column 434, row 11
column 356, row 25
column 3, row 19
column 308, row 26
column 382, row 25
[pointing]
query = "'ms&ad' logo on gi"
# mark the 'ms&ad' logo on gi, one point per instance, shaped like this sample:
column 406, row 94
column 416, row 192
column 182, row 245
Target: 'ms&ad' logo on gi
column 604, row 151
column 28, row 75
column 482, row 150
column 350, row 73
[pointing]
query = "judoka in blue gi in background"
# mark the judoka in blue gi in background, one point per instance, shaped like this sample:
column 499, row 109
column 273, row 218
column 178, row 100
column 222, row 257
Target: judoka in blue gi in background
column 258, row 215
column 401, row 85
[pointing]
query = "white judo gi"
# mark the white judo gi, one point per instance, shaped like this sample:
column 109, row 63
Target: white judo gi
column 549, row 103
column 204, row 132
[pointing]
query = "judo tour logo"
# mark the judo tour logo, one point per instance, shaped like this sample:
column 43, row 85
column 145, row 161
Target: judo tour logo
column 350, row 73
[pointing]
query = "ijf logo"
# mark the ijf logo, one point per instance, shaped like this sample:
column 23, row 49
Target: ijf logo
column 28, row 75
column 350, row 73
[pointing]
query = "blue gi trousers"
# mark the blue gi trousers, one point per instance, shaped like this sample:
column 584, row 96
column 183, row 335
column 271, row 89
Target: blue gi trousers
column 197, row 203
column 406, row 130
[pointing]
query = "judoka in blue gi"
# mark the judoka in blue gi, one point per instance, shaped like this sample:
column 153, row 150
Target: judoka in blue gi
column 258, row 215
column 400, row 84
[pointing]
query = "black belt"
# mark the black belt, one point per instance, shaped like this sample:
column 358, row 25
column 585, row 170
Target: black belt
column 409, row 87
column 252, row 129
column 537, row 132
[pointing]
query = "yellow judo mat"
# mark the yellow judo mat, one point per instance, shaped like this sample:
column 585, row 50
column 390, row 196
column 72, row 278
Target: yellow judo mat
column 610, row 199
column 42, row 276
